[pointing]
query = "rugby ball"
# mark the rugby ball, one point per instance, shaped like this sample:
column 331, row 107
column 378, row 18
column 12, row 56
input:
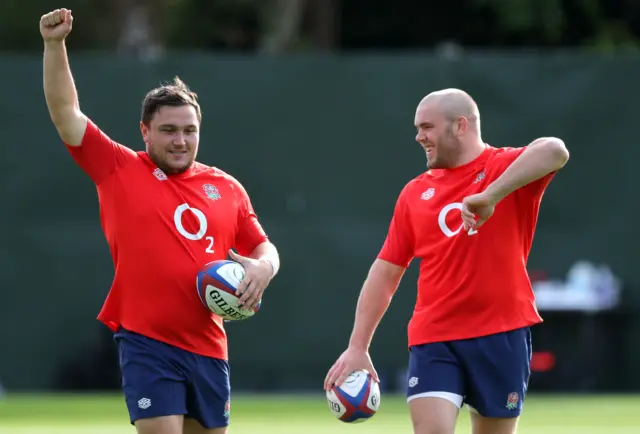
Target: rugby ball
column 356, row 399
column 217, row 283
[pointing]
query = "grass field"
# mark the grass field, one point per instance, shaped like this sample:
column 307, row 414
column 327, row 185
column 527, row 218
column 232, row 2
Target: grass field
column 88, row 414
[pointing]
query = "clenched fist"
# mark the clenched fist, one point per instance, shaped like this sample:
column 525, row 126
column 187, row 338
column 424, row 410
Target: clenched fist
column 56, row 25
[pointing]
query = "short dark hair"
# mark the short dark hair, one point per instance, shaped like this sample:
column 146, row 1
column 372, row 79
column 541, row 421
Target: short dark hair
column 174, row 94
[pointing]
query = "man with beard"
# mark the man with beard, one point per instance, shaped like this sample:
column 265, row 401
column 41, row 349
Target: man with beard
column 470, row 219
column 164, row 216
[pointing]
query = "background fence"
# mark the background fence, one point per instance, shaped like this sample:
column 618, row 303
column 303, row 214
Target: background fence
column 322, row 138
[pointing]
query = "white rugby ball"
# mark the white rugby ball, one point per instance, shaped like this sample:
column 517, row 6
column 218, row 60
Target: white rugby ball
column 356, row 400
column 217, row 284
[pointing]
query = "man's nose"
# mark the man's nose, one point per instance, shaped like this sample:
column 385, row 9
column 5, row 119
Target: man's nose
column 179, row 139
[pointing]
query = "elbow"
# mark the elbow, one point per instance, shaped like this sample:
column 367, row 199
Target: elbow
column 555, row 151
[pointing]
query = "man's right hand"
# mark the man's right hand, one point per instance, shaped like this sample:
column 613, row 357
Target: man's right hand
column 351, row 360
column 56, row 25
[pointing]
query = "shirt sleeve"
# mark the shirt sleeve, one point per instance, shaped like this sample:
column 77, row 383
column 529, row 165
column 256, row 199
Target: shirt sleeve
column 530, row 192
column 99, row 156
column 398, row 245
column 250, row 232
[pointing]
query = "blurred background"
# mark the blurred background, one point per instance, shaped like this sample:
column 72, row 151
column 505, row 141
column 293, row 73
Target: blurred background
column 310, row 104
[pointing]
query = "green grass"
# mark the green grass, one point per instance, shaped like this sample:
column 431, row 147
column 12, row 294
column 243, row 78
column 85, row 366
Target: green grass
column 90, row 414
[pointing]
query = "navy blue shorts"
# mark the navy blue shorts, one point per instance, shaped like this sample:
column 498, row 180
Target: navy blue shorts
column 490, row 373
column 162, row 380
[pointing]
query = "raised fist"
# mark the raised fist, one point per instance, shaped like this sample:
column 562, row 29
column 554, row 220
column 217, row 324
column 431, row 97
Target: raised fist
column 56, row 25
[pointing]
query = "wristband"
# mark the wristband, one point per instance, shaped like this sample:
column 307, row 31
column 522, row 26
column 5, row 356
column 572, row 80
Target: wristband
column 273, row 266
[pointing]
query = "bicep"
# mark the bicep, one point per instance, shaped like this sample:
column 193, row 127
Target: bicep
column 398, row 244
column 263, row 249
column 73, row 128
column 530, row 192
column 387, row 270
column 250, row 233
column 383, row 278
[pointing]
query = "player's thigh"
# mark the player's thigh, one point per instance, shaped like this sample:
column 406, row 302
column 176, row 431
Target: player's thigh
column 492, row 425
column 497, row 371
column 435, row 388
column 153, row 387
column 192, row 426
column 431, row 415
column 160, row 425
column 209, row 393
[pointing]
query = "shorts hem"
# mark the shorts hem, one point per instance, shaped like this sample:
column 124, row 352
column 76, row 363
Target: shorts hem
column 498, row 414
column 454, row 398
column 133, row 420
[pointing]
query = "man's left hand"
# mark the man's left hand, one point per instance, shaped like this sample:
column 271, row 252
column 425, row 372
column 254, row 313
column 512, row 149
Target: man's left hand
column 476, row 209
column 258, row 274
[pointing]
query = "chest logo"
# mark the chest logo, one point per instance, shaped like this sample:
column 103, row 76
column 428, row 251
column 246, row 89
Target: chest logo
column 158, row 173
column 428, row 193
column 211, row 191
column 444, row 226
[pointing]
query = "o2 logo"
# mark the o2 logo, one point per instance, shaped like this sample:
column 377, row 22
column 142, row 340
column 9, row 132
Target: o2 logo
column 202, row 226
column 442, row 220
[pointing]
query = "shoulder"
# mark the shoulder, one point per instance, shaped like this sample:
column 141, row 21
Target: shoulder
column 143, row 160
column 504, row 153
column 219, row 175
column 420, row 182
column 499, row 158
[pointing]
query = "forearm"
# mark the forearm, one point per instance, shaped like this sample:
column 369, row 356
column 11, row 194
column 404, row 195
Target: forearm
column 267, row 252
column 540, row 158
column 59, row 89
column 374, row 300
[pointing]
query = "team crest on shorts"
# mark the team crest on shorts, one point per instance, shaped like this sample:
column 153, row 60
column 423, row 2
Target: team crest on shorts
column 211, row 191
column 512, row 401
column 227, row 408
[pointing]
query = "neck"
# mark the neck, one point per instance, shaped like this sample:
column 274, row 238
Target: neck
column 470, row 152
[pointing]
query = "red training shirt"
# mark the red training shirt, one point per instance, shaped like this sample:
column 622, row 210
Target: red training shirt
column 161, row 229
column 473, row 283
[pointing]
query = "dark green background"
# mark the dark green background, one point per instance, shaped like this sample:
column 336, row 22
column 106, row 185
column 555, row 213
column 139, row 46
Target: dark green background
column 323, row 145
